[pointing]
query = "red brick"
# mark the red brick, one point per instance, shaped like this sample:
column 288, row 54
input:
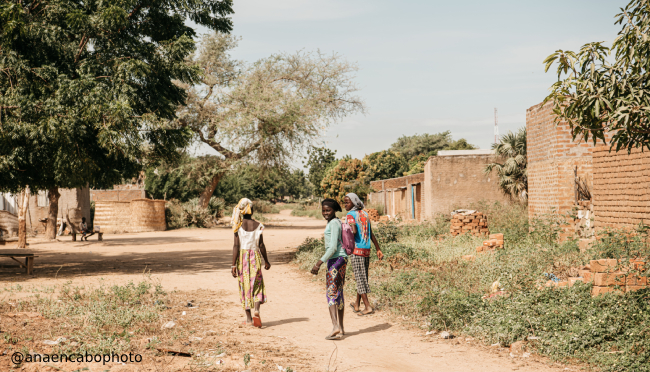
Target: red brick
column 603, row 266
column 609, row 279
column 573, row 281
column 632, row 288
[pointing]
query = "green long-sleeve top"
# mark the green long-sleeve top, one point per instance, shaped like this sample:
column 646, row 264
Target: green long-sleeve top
column 333, row 247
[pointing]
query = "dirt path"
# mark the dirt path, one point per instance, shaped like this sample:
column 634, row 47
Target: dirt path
column 191, row 259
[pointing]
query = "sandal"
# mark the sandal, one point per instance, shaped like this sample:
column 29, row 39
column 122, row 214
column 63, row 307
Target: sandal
column 257, row 321
column 353, row 309
column 361, row 313
column 335, row 337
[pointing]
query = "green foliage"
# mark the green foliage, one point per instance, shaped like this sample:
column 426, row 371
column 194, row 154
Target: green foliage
column 451, row 309
column 384, row 164
column 115, row 310
column 87, row 87
column 608, row 331
column 600, row 94
column 190, row 213
column 320, row 160
column 186, row 180
column 421, row 144
column 267, row 111
column 512, row 173
column 347, row 176
column 419, row 147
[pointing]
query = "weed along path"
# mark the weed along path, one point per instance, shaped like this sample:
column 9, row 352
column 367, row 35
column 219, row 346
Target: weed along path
column 196, row 263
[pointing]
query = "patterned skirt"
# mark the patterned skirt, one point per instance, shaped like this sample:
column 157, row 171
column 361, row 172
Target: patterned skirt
column 251, row 283
column 361, row 265
column 335, row 281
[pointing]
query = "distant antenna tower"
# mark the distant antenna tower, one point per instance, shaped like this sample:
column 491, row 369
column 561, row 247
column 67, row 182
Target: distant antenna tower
column 496, row 125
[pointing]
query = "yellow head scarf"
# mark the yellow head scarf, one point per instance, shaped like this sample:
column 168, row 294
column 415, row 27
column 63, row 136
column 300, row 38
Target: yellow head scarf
column 245, row 206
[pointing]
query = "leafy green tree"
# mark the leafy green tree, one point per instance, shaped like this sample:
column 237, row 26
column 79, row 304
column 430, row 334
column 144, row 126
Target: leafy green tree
column 430, row 144
column 86, row 88
column 267, row 111
column 512, row 173
column 384, row 164
column 599, row 94
column 347, row 176
column 320, row 160
column 419, row 147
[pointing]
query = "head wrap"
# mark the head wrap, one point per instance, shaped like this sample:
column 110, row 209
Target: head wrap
column 332, row 204
column 356, row 201
column 245, row 206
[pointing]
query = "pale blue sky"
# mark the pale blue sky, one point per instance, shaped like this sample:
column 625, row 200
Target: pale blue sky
column 429, row 66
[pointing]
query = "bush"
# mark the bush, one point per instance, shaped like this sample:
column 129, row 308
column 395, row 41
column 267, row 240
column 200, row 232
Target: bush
column 190, row 214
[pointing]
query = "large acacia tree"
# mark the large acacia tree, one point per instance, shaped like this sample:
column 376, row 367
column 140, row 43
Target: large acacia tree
column 597, row 94
column 267, row 111
column 86, row 87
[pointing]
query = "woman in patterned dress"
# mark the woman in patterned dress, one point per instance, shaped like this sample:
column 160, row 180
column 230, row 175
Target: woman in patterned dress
column 337, row 262
column 247, row 254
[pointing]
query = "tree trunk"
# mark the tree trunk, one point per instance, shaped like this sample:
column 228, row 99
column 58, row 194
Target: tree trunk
column 53, row 213
column 204, row 199
column 22, row 218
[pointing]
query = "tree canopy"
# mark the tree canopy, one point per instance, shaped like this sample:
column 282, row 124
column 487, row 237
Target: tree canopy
column 266, row 111
column 84, row 85
column 86, row 88
column 319, row 161
column 598, row 95
column 428, row 144
column 384, row 164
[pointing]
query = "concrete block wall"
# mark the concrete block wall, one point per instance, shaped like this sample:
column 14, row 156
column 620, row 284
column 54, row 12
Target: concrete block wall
column 621, row 190
column 553, row 158
column 456, row 179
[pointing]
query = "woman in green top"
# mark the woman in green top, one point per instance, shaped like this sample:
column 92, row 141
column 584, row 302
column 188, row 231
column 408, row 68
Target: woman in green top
column 337, row 262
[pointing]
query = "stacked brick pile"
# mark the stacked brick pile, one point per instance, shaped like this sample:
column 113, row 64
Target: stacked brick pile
column 492, row 244
column 609, row 275
column 472, row 222
column 373, row 214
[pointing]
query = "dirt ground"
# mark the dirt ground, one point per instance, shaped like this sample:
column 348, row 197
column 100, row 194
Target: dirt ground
column 196, row 263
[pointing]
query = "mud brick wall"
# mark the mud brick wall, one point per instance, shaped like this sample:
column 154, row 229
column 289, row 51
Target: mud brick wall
column 552, row 158
column 395, row 195
column 117, row 194
column 621, row 192
column 453, row 182
column 76, row 201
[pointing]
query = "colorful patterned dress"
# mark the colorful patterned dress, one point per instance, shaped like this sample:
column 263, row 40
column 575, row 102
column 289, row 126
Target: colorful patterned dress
column 249, row 268
column 337, row 263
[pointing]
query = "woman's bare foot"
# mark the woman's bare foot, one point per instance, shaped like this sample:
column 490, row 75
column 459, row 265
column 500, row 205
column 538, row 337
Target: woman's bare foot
column 335, row 335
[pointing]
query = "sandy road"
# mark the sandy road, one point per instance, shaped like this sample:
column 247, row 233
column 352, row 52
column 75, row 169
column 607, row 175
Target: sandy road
column 191, row 259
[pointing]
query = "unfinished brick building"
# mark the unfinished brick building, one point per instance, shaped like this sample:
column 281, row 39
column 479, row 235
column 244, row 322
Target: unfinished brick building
column 451, row 180
column 618, row 182
column 401, row 197
column 554, row 163
column 621, row 187
column 457, row 179
column 76, row 202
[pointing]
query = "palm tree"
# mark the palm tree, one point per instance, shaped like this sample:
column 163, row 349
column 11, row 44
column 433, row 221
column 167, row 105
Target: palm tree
column 512, row 173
